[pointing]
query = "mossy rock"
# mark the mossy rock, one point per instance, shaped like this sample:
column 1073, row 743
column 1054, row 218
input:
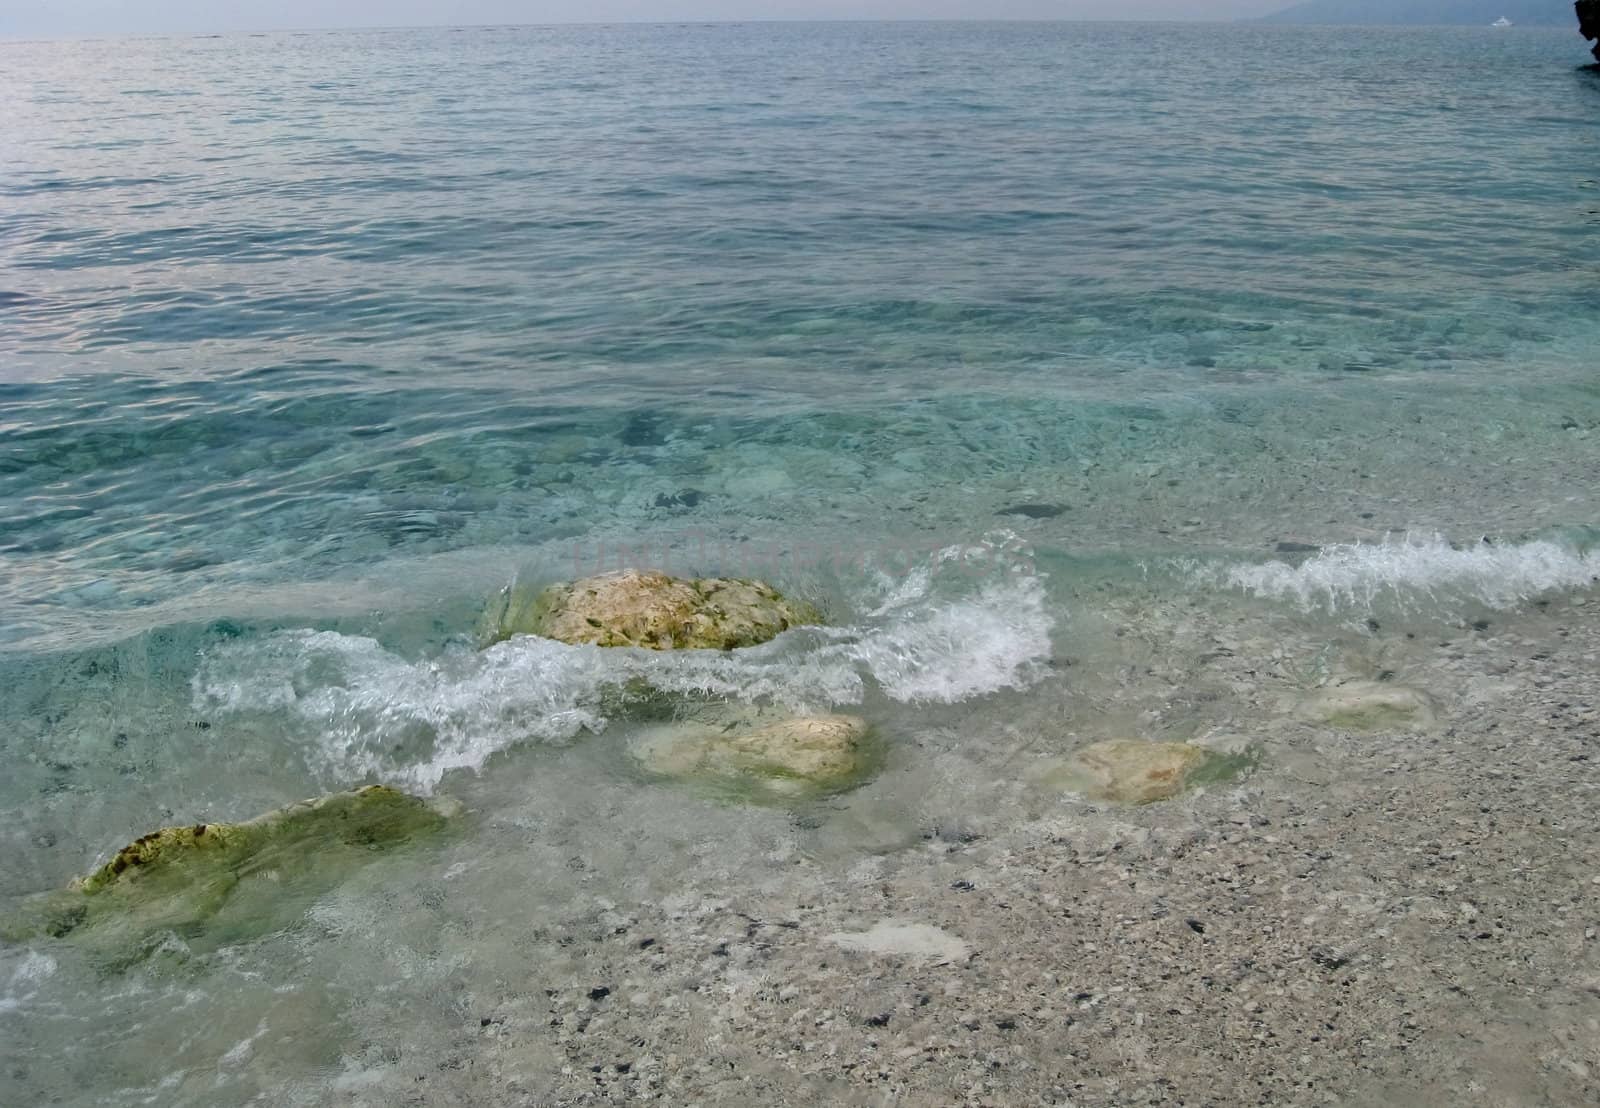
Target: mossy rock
column 787, row 759
column 215, row 883
column 647, row 609
column 1137, row 771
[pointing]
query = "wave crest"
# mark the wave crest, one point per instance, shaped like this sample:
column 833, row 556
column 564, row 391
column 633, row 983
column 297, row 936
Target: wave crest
column 970, row 622
column 1414, row 570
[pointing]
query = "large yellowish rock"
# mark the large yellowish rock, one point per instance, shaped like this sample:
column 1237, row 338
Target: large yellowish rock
column 1370, row 706
column 796, row 757
column 648, row 609
column 213, row 883
column 1136, row 771
column 1132, row 771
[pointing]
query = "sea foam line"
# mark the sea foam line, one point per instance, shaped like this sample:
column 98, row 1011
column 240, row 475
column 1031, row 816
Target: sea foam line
column 359, row 710
column 1417, row 569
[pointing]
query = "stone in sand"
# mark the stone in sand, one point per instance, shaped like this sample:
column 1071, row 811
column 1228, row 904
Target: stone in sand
column 802, row 756
column 1130, row 771
column 1370, row 706
column 648, row 609
column 906, row 939
column 254, row 876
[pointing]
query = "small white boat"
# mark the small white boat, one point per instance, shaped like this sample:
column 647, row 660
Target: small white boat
column 1501, row 22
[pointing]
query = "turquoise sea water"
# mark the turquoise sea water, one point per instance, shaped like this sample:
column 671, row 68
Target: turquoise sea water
column 989, row 338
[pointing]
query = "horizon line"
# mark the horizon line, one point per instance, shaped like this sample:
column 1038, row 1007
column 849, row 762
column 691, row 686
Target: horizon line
column 108, row 36
column 1266, row 21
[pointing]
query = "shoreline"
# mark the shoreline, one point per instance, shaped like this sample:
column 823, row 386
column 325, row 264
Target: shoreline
column 1370, row 918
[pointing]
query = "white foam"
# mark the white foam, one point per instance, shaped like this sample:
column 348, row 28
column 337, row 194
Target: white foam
column 971, row 622
column 1414, row 570
column 29, row 973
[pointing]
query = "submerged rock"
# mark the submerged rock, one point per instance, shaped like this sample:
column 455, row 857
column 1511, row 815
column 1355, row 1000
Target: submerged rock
column 1589, row 22
column 1137, row 771
column 905, row 939
column 1033, row 511
column 183, row 880
column 1370, row 706
column 648, row 609
column 798, row 757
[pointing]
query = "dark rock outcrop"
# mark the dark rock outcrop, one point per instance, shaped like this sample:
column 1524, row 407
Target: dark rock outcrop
column 1589, row 22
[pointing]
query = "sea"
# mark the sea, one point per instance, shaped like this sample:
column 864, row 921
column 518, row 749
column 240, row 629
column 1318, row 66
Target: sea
column 1022, row 350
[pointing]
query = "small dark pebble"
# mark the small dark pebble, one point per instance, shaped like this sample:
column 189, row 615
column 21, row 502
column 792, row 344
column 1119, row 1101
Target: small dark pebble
column 1480, row 625
column 963, row 886
column 880, row 1020
column 1033, row 511
column 1374, row 625
column 624, row 1067
column 1196, row 926
column 645, row 944
column 599, row 992
column 1006, row 1024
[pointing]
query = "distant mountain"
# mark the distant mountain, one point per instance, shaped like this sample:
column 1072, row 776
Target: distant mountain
column 1524, row 13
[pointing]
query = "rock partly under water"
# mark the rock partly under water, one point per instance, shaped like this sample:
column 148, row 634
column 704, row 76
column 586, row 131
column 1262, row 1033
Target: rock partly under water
column 1370, row 706
column 800, row 757
column 1137, row 771
column 918, row 942
column 647, row 609
column 1589, row 22
column 216, row 883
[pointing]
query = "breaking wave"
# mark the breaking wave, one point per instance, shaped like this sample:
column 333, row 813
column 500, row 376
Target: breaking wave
column 1416, row 570
column 971, row 621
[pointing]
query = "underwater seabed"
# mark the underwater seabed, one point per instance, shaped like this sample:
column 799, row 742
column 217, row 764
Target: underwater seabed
column 981, row 686
column 1111, row 458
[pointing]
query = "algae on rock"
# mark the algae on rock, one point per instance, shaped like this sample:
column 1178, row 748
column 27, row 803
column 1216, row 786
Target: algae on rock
column 222, row 882
column 1137, row 771
column 647, row 609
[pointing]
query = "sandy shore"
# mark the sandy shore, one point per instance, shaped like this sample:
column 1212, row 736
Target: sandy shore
column 1391, row 917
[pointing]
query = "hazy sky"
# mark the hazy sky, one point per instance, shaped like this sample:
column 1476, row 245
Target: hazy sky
column 92, row 17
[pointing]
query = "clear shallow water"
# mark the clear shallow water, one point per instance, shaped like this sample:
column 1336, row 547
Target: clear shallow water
column 310, row 342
